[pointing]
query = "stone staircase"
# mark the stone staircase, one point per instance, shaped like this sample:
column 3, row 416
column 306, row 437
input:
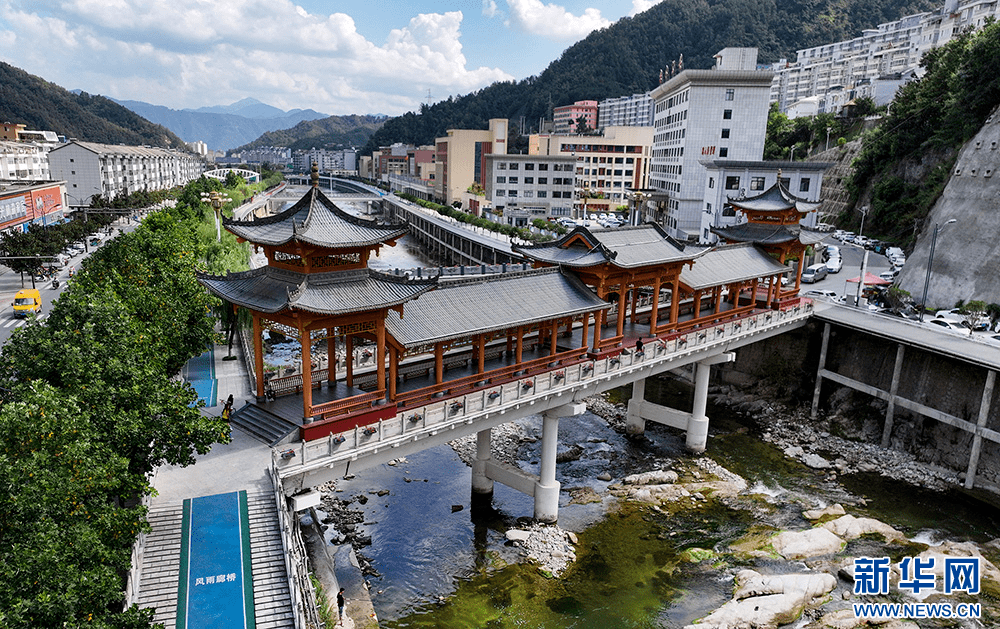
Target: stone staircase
column 262, row 424
column 161, row 563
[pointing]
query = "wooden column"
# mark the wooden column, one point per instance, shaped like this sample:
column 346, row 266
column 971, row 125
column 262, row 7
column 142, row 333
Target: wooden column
column 258, row 356
column 331, row 357
column 481, row 353
column 520, row 345
column 554, row 337
column 438, row 363
column 697, row 304
column 654, row 313
column 675, row 300
column 393, row 372
column 634, row 298
column 585, row 329
column 753, row 292
column 349, row 359
column 305, row 342
column 621, row 310
column 798, row 273
column 717, row 296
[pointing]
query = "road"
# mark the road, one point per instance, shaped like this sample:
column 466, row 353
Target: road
column 10, row 283
column 852, row 255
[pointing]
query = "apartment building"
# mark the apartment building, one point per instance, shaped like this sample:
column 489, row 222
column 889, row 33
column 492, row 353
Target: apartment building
column 608, row 165
column 22, row 161
column 875, row 63
column 521, row 188
column 461, row 158
column 26, row 203
column 626, row 111
column 565, row 118
column 109, row 170
column 700, row 115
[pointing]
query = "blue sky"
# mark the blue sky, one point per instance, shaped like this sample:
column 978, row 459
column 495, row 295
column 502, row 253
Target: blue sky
column 334, row 57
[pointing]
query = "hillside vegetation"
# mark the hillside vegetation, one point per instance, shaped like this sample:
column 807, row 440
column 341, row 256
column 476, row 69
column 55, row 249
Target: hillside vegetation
column 626, row 57
column 906, row 161
column 332, row 132
column 44, row 106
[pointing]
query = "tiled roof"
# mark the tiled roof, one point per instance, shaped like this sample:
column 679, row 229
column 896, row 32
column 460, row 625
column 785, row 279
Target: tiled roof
column 775, row 198
column 469, row 307
column 730, row 263
column 316, row 220
column 757, row 232
column 625, row 247
column 272, row 290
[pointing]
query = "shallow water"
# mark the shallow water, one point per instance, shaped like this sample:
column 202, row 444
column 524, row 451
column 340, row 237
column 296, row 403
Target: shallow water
column 443, row 565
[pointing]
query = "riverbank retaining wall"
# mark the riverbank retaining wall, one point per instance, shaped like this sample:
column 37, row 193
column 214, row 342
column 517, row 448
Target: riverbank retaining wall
column 785, row 366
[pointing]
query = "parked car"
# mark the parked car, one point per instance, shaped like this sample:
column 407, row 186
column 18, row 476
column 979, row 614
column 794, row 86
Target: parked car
column 813, row 273
column 889, row 276
column 820, row 293
column 834, row 264
column 947, row 326
column 956, row 315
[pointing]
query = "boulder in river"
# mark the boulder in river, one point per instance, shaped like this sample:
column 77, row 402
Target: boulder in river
column 767, row 601
column 808, row 543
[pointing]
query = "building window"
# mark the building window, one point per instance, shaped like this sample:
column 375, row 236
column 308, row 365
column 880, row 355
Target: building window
column 756, row 183
column 513, row 166
column 725, row 133
column 543, row 181
column 513, row 180
column 727, row 114
column 528, row 193
column 728, row 211
column 529, row 167
column 732, row 183
column 512, row 193
column 530, row 180
column 786, row 182
column 542, row 194
column 711, row 182
column 723, row 151
column 730, row 93
column 543, row 167
column 501, row 180
column 804, row 185
column 499, row 193
column 501, row 166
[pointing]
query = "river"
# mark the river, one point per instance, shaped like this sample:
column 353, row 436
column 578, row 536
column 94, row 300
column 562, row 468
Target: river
column 443, row 565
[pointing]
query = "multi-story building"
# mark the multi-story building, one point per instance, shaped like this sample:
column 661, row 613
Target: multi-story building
column 704, row 114
column 521, row 188
column 565, row 119
column 608, row 165
column 22, row 161
column 875, row 63
column 733, row 179
column 91, row 169
column 24, row 203
column 461, row 158
column 9, row 131
column 626, row 111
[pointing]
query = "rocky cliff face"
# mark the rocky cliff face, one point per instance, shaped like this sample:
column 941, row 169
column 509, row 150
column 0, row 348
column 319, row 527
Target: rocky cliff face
column 966, row 262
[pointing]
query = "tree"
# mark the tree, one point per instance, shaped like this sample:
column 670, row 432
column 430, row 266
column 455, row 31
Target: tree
column 581, row 125
column 974, row 313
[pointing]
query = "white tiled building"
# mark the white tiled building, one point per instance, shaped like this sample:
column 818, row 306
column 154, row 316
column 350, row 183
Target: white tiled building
column 526, row 187
column 875, row 63
column 626, row 111
column 703, row 115
column 23, row 161
column 109, row 170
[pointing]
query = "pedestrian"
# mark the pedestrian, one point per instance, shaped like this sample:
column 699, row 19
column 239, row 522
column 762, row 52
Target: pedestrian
column 227, row 410
column 638, row 346
column 341, row 603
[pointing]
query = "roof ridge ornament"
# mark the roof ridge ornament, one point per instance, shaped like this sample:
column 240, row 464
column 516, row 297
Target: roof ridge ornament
column 314, row 175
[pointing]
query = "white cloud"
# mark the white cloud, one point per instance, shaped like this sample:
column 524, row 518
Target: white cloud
column 186, row 53
column 489, row 8
column 638, row 6
column 554, row 21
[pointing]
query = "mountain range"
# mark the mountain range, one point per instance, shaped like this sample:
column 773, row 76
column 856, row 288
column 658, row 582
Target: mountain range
column 223, row 127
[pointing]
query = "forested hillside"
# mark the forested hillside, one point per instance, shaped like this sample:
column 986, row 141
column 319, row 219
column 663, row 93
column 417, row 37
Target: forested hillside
column 329, row 132
column 44, row 106
column 626, row 57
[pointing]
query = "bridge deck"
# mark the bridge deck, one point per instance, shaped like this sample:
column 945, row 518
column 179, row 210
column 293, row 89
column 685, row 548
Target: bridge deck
column 962, row 347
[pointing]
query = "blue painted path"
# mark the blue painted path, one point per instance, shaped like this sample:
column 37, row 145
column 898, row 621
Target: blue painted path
column 215, row 589
column 200, row 373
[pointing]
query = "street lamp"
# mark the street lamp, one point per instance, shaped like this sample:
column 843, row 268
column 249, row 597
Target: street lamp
column 864, row 259
column 930, row 260
column 216, row 199
column 639, row 196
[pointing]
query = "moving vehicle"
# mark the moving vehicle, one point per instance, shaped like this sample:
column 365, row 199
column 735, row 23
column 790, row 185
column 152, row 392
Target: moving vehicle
column 813, row 273
column 834, row 264
column 27, row 301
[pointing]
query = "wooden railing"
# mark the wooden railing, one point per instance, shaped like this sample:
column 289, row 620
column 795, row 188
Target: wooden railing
column 293, row 383
column 347, row 406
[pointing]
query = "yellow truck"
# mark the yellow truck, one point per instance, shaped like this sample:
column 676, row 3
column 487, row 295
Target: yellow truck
column 27, row 301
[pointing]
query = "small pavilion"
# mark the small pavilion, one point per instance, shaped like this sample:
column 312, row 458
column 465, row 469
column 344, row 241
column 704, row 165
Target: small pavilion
column 773, row 223
column 317, row 286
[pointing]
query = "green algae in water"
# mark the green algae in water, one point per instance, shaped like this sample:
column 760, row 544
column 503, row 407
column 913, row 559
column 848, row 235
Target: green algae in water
column 629, row 568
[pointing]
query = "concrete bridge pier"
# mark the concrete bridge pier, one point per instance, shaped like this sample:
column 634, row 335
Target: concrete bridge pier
column 482, row 484
column 695, row 423
column 547, row 487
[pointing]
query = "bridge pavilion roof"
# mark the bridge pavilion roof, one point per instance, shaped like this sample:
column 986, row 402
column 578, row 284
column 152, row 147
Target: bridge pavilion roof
column 728, row 264
column 625, row 247
column 482, row 304
column 316, row 220
column 271, row 290
column 767, row 234
column 777, row 198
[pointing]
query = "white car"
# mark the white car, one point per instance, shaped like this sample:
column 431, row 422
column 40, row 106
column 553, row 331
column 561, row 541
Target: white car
column 947, row 326
column 834, row 264
column 889, row 276
column 821, row 293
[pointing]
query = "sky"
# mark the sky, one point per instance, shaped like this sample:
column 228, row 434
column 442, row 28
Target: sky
column 334, row 57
